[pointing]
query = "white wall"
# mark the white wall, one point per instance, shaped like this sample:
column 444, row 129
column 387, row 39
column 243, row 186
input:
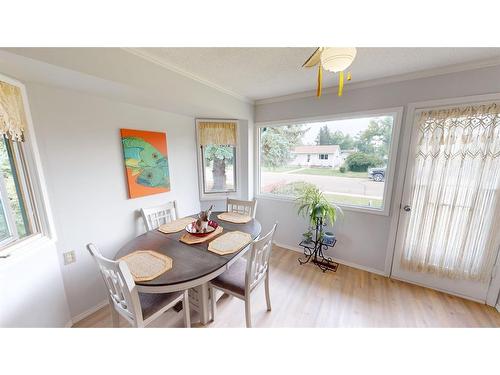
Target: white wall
column 363, row 238
column 31, row 289
column 81, row 152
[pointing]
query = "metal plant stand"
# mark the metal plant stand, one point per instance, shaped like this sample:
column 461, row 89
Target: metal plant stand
column 313, row 250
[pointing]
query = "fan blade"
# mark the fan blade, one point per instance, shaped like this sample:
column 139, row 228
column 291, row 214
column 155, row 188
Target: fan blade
column 320, row 81
column 341, row 83
column 313, row 59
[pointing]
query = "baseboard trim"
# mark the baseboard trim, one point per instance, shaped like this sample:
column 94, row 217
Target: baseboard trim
column 88, row 312
column 394, row 277
column 340, row 261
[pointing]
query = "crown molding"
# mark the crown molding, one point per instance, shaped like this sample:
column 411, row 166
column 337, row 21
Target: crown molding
column 175, row 69
column 390, row 79
column 326, row 91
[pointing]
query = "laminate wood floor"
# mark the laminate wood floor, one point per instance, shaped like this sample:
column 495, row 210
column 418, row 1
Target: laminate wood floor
column 303, row 296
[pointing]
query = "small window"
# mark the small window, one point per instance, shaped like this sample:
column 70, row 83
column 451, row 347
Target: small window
column 323, row 156
column 17, row 219
column 217, row 142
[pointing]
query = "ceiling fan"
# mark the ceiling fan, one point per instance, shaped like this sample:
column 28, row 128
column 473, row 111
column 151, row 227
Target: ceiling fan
column 334, row 60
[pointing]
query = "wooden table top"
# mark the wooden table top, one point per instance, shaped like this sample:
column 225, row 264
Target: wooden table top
column 190, row 262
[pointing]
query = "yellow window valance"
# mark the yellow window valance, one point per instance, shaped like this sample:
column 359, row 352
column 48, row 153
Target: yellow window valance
column 217, row 133
column 12, row 115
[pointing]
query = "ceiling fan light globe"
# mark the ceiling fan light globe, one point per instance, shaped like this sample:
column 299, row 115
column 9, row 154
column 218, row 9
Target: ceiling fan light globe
column 337, row 59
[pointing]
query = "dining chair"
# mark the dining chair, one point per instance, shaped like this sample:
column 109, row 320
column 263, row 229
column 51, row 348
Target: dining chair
column 155, row 216
column 139, row 309
column 245, row 275
column 242, row 207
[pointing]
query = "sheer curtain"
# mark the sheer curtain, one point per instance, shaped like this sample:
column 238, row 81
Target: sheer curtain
column 454, row 223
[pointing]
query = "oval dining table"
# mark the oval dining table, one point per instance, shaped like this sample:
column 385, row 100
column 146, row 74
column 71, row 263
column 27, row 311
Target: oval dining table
column 193, row 265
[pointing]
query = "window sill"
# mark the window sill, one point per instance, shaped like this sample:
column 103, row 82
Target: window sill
column 25, row 247
column 219, row 196
column 363, row 210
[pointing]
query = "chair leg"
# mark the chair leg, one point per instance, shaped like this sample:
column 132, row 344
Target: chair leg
column 248, row 311
column 268, row 297
column 185, row 308
column 115, row 317
column 213, row 303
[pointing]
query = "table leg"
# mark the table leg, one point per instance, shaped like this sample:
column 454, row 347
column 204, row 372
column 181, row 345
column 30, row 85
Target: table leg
column 204, row 304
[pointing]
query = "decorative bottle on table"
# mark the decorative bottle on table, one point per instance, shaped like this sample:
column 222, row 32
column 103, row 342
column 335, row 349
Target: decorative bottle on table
column 201, row 224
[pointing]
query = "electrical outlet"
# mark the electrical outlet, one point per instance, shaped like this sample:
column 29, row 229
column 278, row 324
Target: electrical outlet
column 69, row 257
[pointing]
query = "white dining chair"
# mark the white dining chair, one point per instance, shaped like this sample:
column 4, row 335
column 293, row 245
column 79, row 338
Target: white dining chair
column 242, row 207
column 245, row 275
column 139, row 309
column 155, row 216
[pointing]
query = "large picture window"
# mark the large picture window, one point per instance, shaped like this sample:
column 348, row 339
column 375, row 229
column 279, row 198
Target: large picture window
column 347, row 159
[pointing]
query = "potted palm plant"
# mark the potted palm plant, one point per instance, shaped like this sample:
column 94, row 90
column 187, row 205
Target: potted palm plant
column 313, row 205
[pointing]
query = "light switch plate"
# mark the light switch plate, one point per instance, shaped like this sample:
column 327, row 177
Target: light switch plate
column 69, row 257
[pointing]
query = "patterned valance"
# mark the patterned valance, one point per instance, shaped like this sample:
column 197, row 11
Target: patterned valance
column 217, row 133
column 12, row 115
column 470, row 129
column 461, row 113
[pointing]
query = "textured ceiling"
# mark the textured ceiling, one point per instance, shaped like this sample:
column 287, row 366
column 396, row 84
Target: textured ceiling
column 258, row 73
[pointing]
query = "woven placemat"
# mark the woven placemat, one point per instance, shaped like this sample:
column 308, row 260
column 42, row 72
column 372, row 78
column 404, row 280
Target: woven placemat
column 145, row 265
column 234, row 217
column 176, row 225
column 229, row 243
column 189, row 239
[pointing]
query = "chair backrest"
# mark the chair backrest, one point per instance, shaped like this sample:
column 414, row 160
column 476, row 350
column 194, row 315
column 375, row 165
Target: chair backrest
column 121, row 286
column 155, row 216
column 258, row 260
column 242, row 207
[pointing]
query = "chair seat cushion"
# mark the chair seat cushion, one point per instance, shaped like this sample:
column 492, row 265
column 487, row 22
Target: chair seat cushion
column 233, row 279
column 152, row 302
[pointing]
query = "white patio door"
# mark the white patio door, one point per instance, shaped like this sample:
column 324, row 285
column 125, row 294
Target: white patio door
column 449, row 224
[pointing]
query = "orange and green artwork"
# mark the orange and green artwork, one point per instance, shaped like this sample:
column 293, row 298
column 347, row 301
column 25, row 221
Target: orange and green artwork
column 146, row 162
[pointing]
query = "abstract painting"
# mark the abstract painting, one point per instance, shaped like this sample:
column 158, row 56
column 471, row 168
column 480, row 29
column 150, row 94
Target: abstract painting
column 146, row 162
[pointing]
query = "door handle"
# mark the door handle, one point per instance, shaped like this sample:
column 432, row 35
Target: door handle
column 407, row 208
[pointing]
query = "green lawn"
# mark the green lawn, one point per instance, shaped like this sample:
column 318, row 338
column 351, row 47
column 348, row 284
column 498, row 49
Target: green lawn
column 285, row 168
column 356, row 201
column 292, row 189
column 331, row 172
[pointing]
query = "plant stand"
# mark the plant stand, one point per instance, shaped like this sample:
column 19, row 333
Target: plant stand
column 313, row 250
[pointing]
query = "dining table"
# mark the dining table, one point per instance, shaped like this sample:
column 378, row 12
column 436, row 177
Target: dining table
column 193, row 265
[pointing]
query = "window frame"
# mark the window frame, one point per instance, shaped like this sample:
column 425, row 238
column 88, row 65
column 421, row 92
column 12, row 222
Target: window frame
column 396, row 112
column 33, row 185
column 233, row 193
column 9, row 216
